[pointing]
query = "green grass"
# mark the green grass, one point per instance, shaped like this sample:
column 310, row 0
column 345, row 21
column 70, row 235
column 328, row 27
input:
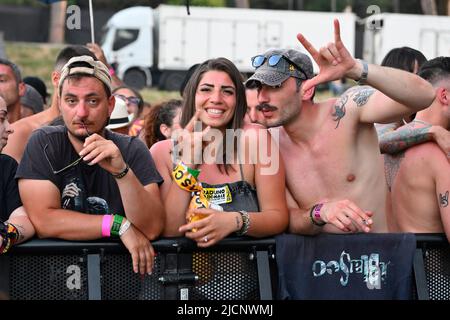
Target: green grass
column 37, row 59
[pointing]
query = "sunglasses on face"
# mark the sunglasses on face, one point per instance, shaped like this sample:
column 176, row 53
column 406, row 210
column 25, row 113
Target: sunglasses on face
column 273, row 60
column 131, row 100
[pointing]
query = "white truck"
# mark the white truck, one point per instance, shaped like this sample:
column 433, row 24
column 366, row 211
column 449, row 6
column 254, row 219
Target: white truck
column 157, row 46
column 385, row 31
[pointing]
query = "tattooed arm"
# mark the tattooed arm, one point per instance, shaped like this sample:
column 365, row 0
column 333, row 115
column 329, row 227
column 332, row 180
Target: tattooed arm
column 412, row 134
column 386, row 128
column 376, row 107
column 442, row 177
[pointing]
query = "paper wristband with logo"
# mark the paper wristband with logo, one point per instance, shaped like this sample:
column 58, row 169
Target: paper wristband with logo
column 186, row 178
column 115, row 227
column 10, row 236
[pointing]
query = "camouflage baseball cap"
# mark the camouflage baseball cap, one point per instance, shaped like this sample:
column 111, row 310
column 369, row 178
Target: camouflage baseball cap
column 85, row 65
column 275, row 66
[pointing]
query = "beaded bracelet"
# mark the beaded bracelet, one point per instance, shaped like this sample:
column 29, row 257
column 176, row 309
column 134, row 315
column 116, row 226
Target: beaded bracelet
column 10, row 235
column 245, row 223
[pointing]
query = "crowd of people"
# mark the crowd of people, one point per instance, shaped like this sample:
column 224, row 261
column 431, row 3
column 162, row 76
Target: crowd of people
column 234, row 156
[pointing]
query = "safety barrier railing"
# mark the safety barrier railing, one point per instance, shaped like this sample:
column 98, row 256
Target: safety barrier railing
column 234, row 269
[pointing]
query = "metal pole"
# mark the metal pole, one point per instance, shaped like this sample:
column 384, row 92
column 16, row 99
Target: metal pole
column 91, row 16
column 333, row 6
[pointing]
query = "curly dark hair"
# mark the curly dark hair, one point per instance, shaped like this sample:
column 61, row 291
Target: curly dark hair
column 162, row 113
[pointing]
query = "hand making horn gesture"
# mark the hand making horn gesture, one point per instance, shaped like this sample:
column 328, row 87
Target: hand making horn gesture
column 334, row 60
column 190, row 142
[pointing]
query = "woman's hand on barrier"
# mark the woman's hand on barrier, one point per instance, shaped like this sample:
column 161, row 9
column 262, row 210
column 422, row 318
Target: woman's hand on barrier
column 211, row 228
column 141, row 250
column 346, row 216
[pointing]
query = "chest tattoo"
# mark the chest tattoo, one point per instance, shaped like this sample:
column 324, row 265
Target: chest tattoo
column 339, row 110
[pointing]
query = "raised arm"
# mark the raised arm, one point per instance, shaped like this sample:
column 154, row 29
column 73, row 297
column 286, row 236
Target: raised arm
column 399, row 92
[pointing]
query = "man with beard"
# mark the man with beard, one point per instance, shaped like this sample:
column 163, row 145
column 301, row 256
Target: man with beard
column 65, row 168
column 334, row 171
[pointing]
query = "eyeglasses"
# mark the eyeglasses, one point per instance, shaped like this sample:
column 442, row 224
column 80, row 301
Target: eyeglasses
column 55, row 172
column 71, row 165
column 131, row 100
column 273, row 60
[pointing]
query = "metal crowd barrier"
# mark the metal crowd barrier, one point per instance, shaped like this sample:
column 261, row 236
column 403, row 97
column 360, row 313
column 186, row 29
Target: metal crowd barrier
column 234, row 269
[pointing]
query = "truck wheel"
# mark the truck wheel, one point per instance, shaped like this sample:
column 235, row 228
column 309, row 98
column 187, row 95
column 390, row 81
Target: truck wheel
column 171, row 80
column 135, row 78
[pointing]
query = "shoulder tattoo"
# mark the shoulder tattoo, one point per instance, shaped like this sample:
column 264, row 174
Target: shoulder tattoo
column 339, row 109
column 362, row 95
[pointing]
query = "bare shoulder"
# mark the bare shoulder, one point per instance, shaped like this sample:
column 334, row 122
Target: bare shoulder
column 18, row 139
column 429, row 153
column 162, row 147
column 162, row 154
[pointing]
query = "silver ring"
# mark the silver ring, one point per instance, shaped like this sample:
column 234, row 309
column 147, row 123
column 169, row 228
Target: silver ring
column 205, row 239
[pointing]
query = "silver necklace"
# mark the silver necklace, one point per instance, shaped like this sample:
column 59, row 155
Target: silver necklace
column 422, row 122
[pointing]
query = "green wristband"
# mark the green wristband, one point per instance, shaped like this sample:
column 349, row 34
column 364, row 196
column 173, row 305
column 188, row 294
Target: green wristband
column 115, row 227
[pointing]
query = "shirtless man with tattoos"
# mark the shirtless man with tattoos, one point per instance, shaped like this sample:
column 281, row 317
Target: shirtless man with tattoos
column 334, row 170
column 421, row 176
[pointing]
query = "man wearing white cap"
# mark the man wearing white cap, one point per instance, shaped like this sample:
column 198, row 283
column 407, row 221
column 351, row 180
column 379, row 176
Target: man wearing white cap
column 82, row 182
column 120, row 120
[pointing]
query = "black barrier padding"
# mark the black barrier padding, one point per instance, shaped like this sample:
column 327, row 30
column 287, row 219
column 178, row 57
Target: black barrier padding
column 437, row 270
column 48, row 277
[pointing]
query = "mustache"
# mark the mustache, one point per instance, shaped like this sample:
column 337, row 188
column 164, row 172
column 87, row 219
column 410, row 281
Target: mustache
column 265, row 107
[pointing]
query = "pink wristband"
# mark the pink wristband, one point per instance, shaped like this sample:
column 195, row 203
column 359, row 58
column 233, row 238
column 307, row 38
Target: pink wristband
column 106, row 226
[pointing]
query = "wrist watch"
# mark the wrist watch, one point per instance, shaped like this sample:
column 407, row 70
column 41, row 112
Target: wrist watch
column 365, row 72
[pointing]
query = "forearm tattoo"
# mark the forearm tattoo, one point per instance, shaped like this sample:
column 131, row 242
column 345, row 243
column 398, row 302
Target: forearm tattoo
column 339, row 109
column 443, row 199
column 399, row 140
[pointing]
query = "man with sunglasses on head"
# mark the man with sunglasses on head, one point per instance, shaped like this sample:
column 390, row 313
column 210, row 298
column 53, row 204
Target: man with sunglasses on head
column 83, row 182
column 334, row 169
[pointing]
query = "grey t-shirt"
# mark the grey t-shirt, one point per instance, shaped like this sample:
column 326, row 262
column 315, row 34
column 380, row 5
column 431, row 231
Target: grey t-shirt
column 83, row 188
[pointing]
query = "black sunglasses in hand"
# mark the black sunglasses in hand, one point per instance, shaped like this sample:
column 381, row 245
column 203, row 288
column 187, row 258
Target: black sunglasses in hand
column 71, row 165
